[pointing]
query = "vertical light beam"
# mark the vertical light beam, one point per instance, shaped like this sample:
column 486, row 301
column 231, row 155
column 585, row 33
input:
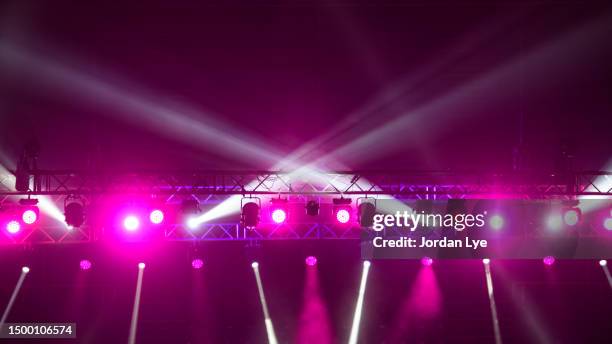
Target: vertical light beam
column 315, row 325
column 24, row 271
column 134, row 323
column 264, row 306
column 487, row 267
column 604, row 265
column 359, row 307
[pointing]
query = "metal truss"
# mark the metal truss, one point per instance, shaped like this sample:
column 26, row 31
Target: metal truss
column 215, row 187
column 407, row 184
column 233, row 231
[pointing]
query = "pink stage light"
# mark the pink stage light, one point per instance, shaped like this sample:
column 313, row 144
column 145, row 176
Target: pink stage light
column 548, row 260
column 131, row 223
column 197, row 263
column 608, row 224
column 29, row 217
column 311, row 260
column 156, row 216
column 279, row 215
column 426, row 261
column 13, row 227
column 571, row 217
column 85, row 264
column 343, row 216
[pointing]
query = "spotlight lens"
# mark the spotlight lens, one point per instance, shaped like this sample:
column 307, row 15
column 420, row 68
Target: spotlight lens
column 141, row 265
column 426, row 261
column 603, row 262
column 197, row 263
column 608, row 224
column 343, row 216
column 25, row 269
column 279, row 216
column 366, row 263
column 486, row 261
column 549, row 260
column 496, row 222
column 571, row 217
column 311, row 260
column 255, row 265
column 29, row 216
column 85, row 264
column 192, row 223
column 131, row 223
column 13, row 227
column 156, row 216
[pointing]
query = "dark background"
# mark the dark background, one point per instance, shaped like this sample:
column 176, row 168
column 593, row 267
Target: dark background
column 566, row 303
column 471, row 81
column 284, row 74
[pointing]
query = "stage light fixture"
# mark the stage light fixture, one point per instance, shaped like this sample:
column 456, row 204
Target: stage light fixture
column 342, row 210
column 131, row 223
column 571, row 216
column 279, row 216
column 311, row 260
column 548, row 260
column 13, row 227
column 312, row 208
column 85, row 264
column 29, row 216
column 426, row 261
column 279, row 210
column 74, row 213
column 608, row 223
column 343, row 216
column 141, row 265
column 603, row 262
column 250, row 214
column 156, row 216
column 22, row 176
column 486, row 261
column 25, row 269
column 255, row 265
column 367, row 210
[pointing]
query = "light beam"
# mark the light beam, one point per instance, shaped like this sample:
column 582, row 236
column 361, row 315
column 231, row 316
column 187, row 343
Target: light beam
column 264, row 305
column 359, row 307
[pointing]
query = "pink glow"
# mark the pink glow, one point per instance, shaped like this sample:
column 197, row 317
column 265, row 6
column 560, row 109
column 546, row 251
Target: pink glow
column 343, row 216
column 311, row 260
column 549, row 260
column 13, row 227
column 156, row 216
column 279, row 215
column 197, row 263
column 29, row 217
column 420, row 308
column 426, row 261
column 131, row 223
column 608, row 224
column 315, row 324
column 85, row 264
